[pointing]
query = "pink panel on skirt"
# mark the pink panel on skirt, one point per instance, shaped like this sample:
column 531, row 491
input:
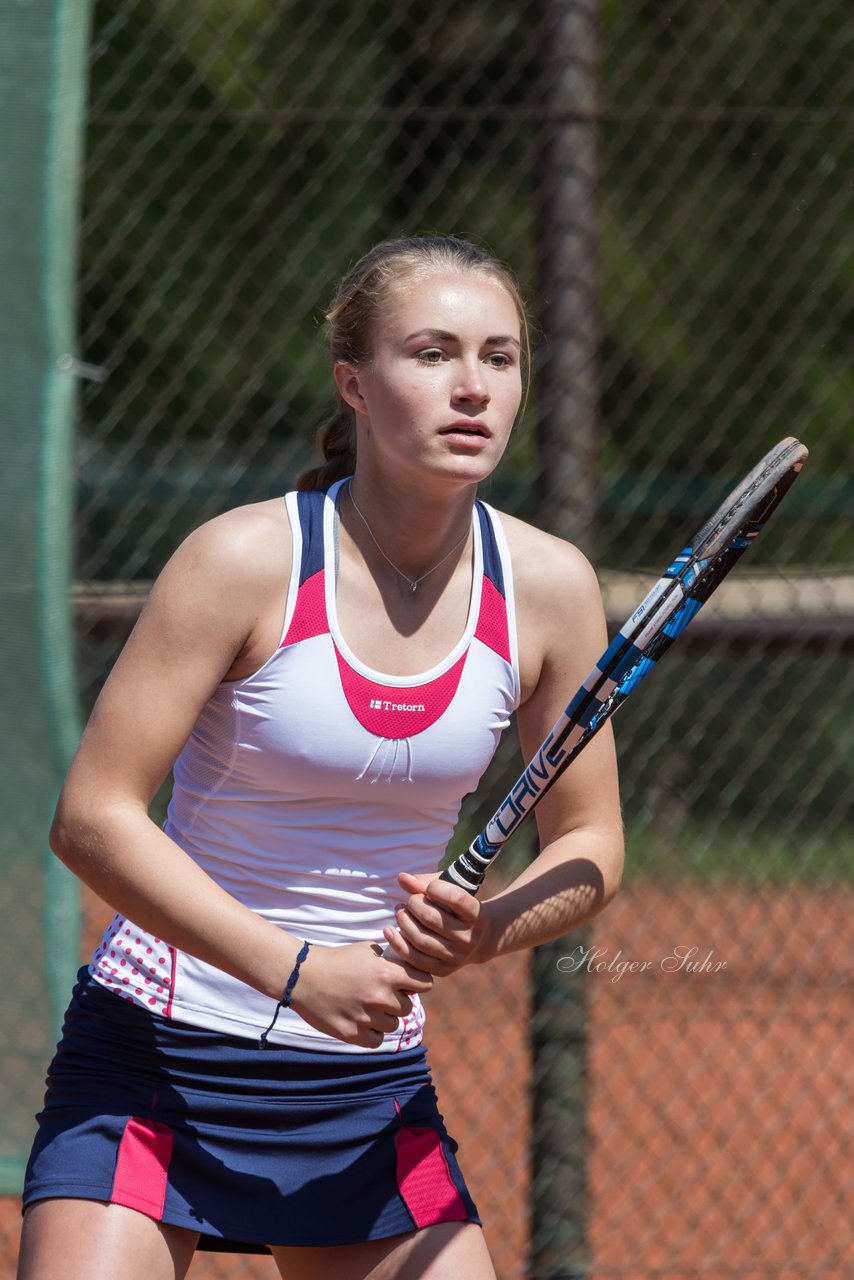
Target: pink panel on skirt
column 142, row 1167
column 424, row 1178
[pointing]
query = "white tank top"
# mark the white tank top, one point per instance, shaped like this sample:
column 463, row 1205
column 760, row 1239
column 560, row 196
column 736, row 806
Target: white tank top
column 306, row 787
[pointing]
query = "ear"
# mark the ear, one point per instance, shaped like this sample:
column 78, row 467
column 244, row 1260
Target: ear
column 348, row 381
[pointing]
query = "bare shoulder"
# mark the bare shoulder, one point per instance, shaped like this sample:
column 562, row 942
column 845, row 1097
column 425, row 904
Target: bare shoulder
column 549, row 575
column 240, row 547
column 224, row 587
column 558, row 601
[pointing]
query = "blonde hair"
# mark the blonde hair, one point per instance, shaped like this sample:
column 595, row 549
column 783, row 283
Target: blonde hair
column 350, row 319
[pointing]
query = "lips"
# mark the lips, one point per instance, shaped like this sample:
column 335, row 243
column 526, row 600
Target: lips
column 475, row 430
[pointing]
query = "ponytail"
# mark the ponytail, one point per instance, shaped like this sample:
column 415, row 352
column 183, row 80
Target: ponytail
column 337, row 441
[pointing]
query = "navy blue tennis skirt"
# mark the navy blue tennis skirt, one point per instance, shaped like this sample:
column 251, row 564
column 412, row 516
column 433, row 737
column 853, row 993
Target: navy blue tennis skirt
column 248, row 1147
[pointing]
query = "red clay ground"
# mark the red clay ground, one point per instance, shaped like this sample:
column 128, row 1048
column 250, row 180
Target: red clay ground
column 722, row 1102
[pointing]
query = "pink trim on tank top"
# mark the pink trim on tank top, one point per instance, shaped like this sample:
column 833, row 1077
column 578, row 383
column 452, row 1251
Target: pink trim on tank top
column 174, row 957
column 398, row 711
column 492, row 627
column 309, row 618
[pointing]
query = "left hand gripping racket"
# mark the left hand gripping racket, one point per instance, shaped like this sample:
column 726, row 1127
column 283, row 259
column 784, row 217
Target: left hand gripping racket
column 659, row 619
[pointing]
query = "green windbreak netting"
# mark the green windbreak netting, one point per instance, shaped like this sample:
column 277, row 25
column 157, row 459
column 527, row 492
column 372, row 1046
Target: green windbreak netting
column 42, row 62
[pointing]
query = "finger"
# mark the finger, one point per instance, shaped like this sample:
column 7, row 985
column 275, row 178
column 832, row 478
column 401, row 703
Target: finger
column 385, row 1022
column 452, row 898
column 411, row 977
column 400, row 949
column 461, row 904
column 367, row 1038
column 414, row 884
column 431, row 942
column 436, row 919
column 437, row 967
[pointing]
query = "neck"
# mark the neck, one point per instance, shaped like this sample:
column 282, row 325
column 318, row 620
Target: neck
column 410, row 535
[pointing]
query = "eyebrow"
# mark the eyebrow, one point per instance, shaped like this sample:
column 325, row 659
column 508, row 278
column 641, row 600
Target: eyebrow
column 443, row 335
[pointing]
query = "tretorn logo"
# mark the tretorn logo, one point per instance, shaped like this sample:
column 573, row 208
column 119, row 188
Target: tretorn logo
column 381, row 704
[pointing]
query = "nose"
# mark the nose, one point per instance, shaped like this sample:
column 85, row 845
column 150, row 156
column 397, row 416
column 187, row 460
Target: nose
column 471, row 385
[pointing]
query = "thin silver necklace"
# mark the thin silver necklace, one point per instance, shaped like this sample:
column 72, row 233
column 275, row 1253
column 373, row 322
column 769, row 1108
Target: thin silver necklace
column 412, row 583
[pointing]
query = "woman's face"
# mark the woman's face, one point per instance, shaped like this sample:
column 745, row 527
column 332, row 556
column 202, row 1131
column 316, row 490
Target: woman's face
column 443, row 387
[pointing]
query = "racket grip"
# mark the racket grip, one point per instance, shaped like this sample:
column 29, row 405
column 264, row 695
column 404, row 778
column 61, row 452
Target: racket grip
column 470, row 868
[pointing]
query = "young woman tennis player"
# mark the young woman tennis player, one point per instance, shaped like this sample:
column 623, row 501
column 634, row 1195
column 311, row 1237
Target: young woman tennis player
column 329, row 675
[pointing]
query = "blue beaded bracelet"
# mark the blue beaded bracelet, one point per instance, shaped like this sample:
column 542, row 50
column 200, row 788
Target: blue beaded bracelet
column 287, row 994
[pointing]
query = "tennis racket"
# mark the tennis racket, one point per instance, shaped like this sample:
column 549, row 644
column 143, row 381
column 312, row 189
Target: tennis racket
column 640, row 644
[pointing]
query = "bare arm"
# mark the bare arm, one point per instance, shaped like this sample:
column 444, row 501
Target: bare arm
column 578, row 870
column 200, row 624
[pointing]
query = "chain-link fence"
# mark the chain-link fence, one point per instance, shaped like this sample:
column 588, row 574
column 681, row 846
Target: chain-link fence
column 674, row 181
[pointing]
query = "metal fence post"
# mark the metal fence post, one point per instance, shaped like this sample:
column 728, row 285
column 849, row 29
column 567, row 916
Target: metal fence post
column 567, row 441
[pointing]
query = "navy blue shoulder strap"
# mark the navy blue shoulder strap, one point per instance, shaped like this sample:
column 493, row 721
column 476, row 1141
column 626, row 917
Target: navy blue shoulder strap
column 492, row 567
column 310, row 510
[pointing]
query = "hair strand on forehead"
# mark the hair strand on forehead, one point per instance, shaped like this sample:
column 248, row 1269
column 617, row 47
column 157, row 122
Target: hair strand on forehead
column 350, row 320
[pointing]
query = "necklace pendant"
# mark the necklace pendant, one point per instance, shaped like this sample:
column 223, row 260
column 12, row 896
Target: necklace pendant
column 413, row 587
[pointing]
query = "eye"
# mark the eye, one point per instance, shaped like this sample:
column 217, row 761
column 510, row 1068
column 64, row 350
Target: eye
column 431, row 355
column 499, row 359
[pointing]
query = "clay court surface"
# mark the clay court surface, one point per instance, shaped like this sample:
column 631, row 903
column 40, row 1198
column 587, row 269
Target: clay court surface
column 721, row 1100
